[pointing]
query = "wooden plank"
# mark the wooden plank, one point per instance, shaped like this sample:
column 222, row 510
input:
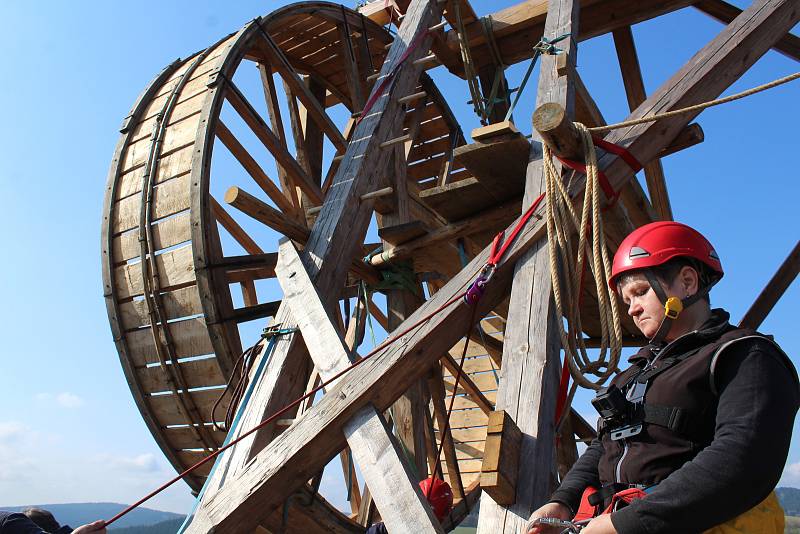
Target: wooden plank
column 169, row 197
column 170, row 166
column 773, row 291
column 184, row 437
column 634, row 89
column 190, row 338
column 392, row 484
column 500, row 465
column 788, row 45
column 168, row 412
column 481, row 381
column 480, row 364
column 354, row 80
column 198, row 374
column 165, row 233
column 179, row 303
column 175, row 268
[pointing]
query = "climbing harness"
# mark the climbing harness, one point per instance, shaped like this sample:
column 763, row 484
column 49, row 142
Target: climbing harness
column 544, row 46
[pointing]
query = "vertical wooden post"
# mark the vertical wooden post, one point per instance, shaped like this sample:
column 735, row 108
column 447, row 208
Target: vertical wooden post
column 531, row 346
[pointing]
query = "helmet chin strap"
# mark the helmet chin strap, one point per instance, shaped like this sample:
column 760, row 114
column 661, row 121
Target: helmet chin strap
column 673, row 306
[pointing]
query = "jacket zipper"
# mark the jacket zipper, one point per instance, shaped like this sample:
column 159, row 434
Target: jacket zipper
column 618, row 469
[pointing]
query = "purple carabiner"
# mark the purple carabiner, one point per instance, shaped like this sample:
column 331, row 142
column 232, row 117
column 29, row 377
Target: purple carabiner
column 475, row 291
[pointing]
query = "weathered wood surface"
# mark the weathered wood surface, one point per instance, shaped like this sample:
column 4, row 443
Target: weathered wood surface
column 500, row 465
column 316, row 436
column 331, row 240
column 392, row 484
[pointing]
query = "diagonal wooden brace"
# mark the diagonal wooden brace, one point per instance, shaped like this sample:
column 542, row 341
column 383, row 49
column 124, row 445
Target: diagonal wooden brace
column 391, row 483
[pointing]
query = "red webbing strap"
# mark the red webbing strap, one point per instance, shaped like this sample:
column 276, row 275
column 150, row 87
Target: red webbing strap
column 496, row 254
column 389, row 77
column 617, row 150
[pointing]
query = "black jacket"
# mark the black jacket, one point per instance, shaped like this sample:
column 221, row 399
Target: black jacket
column 15, row 523
column 719, row 470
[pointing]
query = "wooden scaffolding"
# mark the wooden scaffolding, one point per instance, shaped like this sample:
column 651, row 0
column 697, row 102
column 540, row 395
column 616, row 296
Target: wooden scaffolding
column 172, row 287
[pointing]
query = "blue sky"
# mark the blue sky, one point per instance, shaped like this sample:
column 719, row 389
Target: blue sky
column 69, row 430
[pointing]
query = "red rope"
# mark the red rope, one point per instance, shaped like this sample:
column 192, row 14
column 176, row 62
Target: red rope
column 496, row 254
column 286, row 408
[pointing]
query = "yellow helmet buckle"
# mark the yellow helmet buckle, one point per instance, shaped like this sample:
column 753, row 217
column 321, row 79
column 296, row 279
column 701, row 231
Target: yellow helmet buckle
column 673, row 307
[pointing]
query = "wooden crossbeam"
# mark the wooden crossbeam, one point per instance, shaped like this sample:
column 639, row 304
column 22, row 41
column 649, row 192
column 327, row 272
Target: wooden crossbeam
column 634, row 89
column 315, row 107
column 227, row 505
column 392, row 484
column 788, row 45
column 438, row 396
column 314, row 438
column 264, row 213
column 773, row 291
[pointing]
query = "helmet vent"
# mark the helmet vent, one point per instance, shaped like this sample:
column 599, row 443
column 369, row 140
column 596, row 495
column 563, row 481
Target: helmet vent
column 638, row 252
column 713, row 255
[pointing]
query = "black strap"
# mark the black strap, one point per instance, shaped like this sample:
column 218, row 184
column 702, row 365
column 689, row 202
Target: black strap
column 678, row 420
column 666, row 363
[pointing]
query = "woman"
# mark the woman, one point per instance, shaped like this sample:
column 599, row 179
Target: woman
column 697, row 429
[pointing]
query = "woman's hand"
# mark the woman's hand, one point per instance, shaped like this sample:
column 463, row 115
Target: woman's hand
column 551, row 509
column 98, row 527
column 600, row 525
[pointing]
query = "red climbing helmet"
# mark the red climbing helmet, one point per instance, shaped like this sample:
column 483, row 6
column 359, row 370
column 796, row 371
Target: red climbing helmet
column 439, row 496
column 656, row 243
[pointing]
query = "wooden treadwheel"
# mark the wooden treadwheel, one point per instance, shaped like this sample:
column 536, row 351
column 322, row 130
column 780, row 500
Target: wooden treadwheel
column 188, row 244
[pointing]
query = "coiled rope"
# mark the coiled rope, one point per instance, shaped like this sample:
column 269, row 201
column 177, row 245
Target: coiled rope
column 567, row 270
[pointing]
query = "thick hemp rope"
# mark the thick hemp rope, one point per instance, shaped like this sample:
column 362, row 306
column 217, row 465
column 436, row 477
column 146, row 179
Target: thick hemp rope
column 567, row 271
column 697, row 107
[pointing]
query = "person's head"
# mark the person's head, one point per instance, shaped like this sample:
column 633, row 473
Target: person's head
column 665, row 267
column 43, row 519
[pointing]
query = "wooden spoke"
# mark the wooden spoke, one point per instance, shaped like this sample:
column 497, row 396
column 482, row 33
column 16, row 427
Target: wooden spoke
column 634, row 88
column 233, row 228
column 272, row 143
column 466, row 383
column 253, row 169
column 276, row 121
column 314, row 106
column 308, row 138
column 354, row 79
column 438, row 396
column 263, row 212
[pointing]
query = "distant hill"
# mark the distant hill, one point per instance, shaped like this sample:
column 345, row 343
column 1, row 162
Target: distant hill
column 170, row 526
column 790, row 500
column 76, row 514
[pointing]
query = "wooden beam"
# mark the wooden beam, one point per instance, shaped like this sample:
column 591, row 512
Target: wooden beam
column 272, row 143
column 350, row 67
column 773, row 291
column 315, row 107
column 276, row 122
column 788, row 45
column 438, row 396
column 634, row 89
column 266, row 214
column 469, row 387
column 500, row 465
column 517, row 27
column 233, row 228
column 314, row 438
column 228, row 506
column 531, row 344
column 392, row 484
column 253, row 169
